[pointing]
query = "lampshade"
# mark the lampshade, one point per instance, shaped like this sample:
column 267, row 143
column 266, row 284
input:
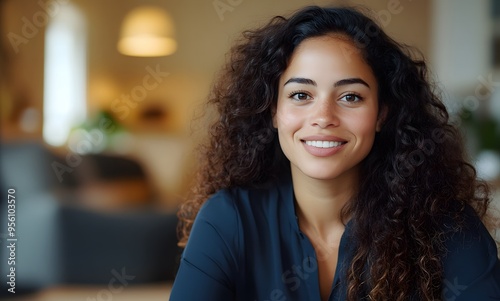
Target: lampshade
column 147, row 31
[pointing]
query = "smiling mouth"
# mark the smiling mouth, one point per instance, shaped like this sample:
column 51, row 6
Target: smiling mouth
column 324, row 144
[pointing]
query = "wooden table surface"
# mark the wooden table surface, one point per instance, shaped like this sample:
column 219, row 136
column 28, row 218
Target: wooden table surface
column 149, row 292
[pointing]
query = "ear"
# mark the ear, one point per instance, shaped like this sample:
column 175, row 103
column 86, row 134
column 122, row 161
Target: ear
column 381, row 118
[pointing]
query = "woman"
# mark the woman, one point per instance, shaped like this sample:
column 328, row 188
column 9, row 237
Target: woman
column 332, row 173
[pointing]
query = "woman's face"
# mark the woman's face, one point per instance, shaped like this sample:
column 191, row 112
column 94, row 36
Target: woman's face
column 327, row 111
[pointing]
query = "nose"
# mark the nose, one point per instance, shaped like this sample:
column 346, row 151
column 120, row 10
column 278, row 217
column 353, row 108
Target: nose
column 324, row 114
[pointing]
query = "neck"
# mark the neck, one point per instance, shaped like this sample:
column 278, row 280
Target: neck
column 320, row 202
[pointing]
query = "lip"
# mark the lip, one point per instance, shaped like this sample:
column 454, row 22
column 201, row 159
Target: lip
column 323, row 152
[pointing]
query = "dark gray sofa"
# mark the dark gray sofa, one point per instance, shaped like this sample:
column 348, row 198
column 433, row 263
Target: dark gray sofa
column 60, row 241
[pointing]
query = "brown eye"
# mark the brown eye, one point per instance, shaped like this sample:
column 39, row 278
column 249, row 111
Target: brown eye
column 301, row 96
column 351, row 98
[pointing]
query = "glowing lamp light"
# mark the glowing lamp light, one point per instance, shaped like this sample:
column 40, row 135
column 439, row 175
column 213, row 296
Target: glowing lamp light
column 147, row 31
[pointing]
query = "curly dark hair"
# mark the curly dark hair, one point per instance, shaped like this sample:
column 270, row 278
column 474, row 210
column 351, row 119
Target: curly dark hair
column 415, row 177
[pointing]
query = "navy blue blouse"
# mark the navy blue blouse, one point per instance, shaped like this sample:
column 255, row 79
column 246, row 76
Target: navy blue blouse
column 246, row 244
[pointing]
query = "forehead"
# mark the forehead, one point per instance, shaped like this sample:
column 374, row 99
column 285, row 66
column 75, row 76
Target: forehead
column 335, row 44
column 335, row 53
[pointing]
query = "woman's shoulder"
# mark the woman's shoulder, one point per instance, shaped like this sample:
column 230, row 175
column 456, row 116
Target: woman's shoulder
column 244, row 200
column 233, row 214
column 471, row 259
column 468, row 234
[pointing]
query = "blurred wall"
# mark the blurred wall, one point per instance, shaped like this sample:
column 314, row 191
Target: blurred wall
column 204, row 36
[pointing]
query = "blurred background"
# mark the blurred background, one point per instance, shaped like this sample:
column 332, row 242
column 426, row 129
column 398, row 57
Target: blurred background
column 97, row 102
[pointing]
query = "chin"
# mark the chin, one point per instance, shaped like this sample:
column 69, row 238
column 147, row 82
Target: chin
column 321, row 173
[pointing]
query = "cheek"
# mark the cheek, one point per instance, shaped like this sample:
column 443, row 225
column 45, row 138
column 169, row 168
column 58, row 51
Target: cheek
column 368, row 126
column 287, row 120
column 364, row 126
column 287, row 123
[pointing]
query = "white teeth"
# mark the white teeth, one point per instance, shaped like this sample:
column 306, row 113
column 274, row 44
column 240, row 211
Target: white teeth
column 324, row 144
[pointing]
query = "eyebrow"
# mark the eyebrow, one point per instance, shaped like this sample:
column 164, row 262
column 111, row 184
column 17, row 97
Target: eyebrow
column 342, row 82
column 301, row 80
column 350, row 81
